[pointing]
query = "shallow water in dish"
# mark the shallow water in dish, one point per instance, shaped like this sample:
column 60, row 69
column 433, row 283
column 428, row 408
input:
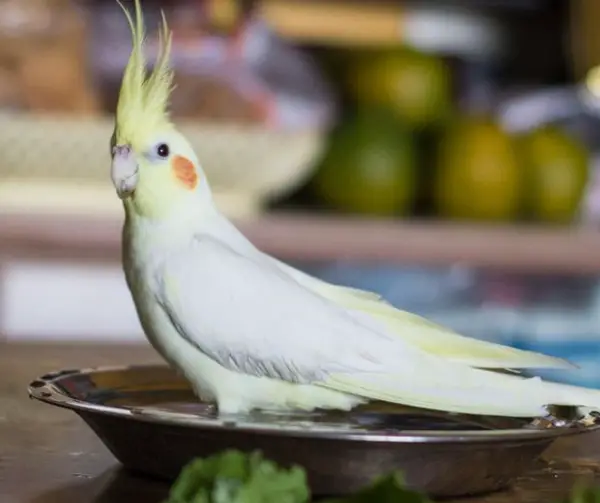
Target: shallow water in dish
column 158, row 395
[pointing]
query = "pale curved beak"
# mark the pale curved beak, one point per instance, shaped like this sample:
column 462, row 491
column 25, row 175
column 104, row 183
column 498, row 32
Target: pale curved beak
column 124, row 170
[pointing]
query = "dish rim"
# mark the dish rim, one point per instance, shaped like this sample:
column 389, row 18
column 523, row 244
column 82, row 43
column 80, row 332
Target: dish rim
column 45, row 389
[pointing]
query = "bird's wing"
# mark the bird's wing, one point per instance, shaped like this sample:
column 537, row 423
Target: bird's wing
column 250, row 317
column 424, row 334
column 419, row 332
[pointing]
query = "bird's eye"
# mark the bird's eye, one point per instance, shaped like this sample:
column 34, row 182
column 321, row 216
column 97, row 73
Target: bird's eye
column 163, row 150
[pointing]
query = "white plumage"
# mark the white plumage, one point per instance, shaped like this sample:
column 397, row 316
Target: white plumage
column 252, row 332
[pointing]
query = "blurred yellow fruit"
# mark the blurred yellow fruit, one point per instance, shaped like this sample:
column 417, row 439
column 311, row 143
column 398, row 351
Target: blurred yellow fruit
column 556, row 169
column 369, row 167
column 414, row 85
column 478, row 176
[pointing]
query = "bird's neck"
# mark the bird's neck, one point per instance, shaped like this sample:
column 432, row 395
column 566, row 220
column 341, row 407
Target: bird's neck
column 169, row 231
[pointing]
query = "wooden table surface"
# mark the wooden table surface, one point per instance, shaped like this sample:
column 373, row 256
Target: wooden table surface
column 48, row 455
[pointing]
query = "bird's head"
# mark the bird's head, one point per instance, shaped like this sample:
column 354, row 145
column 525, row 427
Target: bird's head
column 154, row 168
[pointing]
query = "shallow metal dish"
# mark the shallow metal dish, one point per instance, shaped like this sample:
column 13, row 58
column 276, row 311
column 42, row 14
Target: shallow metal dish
column 150, row 420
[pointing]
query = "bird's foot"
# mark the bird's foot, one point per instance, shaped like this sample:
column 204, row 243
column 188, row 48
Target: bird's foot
column 568, row 417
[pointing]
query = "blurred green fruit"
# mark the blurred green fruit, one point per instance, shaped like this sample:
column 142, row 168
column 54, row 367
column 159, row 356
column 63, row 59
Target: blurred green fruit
column 556, row 170
column 477, row 174
column 370, row 166
column 416, row 86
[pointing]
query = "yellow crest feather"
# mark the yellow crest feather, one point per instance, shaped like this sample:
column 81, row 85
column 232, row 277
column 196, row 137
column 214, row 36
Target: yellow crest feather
column 143, row 100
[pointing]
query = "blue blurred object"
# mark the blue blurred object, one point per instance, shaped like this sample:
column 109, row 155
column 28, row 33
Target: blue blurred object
column 573, row 334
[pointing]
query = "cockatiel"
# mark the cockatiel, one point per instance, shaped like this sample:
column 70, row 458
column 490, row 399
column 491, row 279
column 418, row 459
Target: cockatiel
column 249, row 331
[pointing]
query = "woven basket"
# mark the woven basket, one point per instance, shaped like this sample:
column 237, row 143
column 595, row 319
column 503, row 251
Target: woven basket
column 246, row 165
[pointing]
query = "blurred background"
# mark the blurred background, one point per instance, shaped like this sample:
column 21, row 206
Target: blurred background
column 441, row 153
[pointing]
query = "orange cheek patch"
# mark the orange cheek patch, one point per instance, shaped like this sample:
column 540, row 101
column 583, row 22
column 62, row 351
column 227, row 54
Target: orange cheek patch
column 185, row 172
